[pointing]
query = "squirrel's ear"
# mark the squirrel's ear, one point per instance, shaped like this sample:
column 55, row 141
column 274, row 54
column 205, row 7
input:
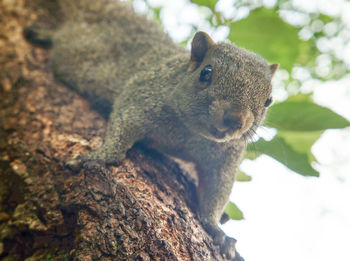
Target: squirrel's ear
column 273, row 68
column 200, row 46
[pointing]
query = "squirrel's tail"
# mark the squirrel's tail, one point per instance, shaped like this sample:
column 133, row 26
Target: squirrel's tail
column 90, row 9
column 38, row 36
column 76, row 10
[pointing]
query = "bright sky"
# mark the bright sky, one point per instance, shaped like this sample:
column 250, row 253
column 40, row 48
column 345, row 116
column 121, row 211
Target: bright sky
column 289, row 217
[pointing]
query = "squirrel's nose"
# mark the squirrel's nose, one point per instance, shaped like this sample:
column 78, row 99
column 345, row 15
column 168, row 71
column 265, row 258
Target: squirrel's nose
column 232, row 123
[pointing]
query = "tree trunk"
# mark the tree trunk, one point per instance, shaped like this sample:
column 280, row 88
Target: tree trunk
column 141, row 210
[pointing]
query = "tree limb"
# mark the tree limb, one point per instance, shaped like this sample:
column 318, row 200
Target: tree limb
column 141, row 210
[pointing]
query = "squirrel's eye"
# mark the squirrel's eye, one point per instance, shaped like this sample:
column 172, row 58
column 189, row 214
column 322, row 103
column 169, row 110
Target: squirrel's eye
column 205, row 75
column 268, row 102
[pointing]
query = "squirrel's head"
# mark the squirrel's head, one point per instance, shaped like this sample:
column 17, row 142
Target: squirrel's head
column 232, row 89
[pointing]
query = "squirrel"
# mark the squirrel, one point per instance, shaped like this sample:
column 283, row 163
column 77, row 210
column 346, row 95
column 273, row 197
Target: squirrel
column 201, row 106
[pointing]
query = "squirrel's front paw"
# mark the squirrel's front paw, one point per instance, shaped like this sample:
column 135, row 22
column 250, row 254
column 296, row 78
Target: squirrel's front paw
column 228, row 248
column 75, row 164
column 91, row 158
column 227, row 244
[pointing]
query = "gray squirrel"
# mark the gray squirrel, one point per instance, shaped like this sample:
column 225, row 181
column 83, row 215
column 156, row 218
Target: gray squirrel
column 200, row 106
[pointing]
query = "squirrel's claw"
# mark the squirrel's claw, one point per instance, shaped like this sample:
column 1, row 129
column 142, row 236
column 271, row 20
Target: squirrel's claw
column 78, row 162
column 75, row 164
column 227, row 244
column 92, row 158
column 238, row 257
column 228, row 248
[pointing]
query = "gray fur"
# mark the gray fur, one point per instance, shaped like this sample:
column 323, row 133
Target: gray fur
column 149, row 88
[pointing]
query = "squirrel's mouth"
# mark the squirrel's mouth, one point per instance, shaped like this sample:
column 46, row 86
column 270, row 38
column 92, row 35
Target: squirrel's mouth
column 217, row 133
column 224, row 135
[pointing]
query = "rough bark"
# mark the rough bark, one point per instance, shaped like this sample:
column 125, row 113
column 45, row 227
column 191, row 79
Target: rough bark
column 141, row 210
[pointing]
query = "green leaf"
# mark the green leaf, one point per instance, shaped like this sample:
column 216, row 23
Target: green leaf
column 157, row 11
column 233, row 211
column 265, row 33
column 301, row 141
column 252, row 154
column 325, row 18
column 283, row 152
column 241, row 176
column 298, row 113
column 208, row 3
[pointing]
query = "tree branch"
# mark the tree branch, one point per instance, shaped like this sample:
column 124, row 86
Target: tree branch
column 137, row 211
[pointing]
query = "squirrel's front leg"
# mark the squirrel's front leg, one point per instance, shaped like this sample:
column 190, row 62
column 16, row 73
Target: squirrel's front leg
column 216, row 171
column 123, row 131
